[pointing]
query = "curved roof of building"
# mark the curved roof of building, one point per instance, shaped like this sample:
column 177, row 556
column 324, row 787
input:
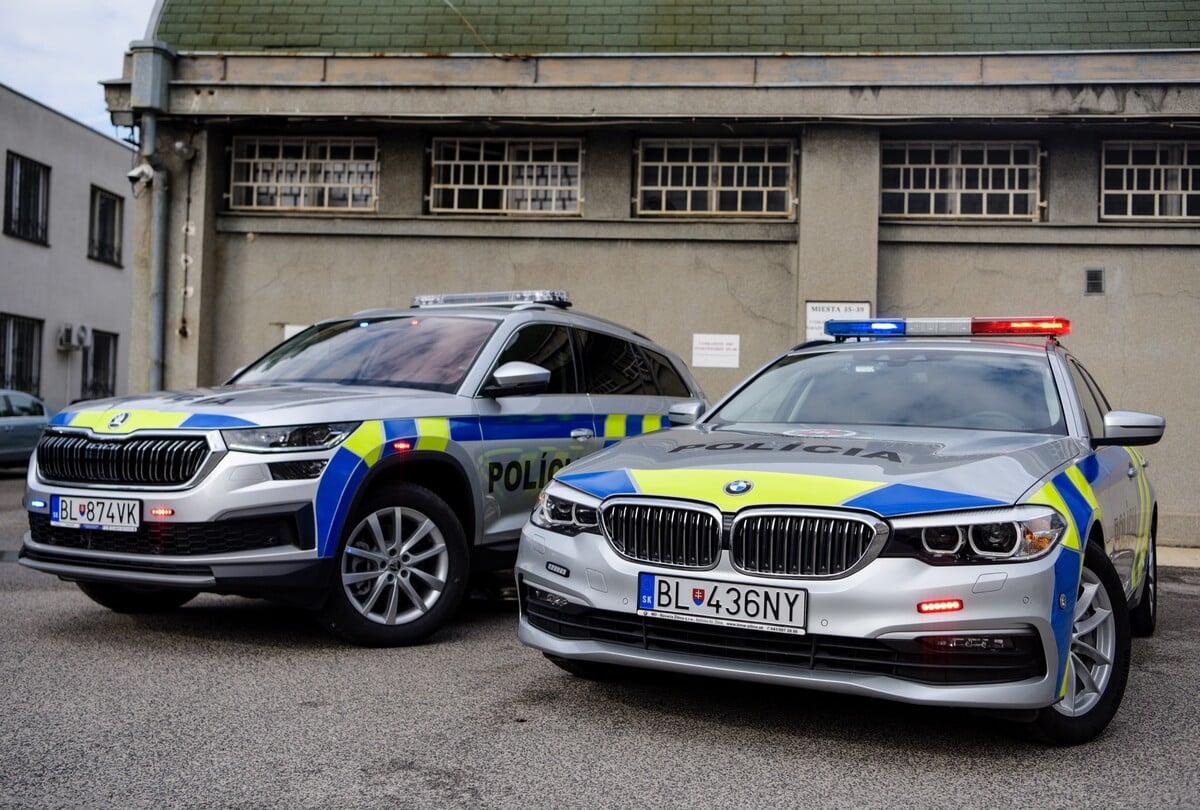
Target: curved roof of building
column 674, row 26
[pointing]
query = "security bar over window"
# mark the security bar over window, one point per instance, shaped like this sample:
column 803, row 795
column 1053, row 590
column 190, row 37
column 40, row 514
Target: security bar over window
column 1157, row 180
column 26, row 199
column 304, row 174
column 506, row 176
column 960, row 180
column 104, row 231
column 20, row 353
column 722, row 177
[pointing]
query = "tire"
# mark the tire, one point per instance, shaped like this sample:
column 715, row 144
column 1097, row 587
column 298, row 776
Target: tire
column 1143, row 619
column 401, row 570
column 136, row 598
column 1099, row 656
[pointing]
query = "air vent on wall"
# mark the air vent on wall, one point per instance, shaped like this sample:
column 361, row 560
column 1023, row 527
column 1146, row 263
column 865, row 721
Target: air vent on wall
column 1093, row 281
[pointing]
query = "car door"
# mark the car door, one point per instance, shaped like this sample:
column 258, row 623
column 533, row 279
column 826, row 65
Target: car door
column 621, row 384
column 23, row 418
column 529, row 437
column 1116, row 475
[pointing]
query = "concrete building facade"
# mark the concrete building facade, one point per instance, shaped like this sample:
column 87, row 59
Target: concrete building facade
column 718, row 188
column 65, row 278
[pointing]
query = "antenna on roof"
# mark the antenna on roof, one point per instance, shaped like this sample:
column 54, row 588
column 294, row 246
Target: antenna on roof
column 467, row 23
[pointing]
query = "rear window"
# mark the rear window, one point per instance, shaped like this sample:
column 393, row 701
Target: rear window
column 898, row 386
column 613, row 366
column 429, row 352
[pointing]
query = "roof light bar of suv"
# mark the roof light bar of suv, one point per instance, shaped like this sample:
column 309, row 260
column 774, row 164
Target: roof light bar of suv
column 505, row 298
column 948, row 327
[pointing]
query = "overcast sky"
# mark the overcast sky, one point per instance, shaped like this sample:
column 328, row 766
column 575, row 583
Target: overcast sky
column 57, row 51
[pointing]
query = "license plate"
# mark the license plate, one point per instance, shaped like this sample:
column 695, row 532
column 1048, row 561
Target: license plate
column 759, row 607
column 105, row 514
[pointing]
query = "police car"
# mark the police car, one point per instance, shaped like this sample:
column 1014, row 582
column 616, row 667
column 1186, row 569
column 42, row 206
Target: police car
column 362, row 468
column 959, row 522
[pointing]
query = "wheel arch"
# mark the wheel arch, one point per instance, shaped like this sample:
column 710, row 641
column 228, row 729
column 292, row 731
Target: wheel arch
column 440, row 473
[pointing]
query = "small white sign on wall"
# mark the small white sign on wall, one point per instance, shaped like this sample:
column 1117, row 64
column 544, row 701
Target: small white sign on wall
column 817, row 312
column 716, row 351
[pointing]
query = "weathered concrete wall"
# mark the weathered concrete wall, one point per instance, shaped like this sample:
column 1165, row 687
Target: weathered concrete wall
column 1137, row 339
column 664, row 289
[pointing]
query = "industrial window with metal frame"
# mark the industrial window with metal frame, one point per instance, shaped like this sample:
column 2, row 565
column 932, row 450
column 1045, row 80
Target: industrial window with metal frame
column 510, row 176
column 27, row 199
column 309, row 174
column 1150, row 180
column 20, row 353
column 715, row 177
column 961, row 180
column 104, row 232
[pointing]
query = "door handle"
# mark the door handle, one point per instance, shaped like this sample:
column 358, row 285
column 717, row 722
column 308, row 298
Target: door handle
column 582, row 433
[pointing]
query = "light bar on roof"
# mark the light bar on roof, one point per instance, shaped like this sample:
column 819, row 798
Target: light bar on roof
column 558, row 298
column 948, row 327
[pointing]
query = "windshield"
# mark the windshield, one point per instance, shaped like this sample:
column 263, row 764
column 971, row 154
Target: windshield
column 430, row 352
column 891, row 385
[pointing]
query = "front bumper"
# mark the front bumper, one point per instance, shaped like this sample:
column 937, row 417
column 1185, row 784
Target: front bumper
column 235, row 530
column 863, row 632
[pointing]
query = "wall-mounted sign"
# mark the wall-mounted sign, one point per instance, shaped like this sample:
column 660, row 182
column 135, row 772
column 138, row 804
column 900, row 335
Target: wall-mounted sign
column 817, row 312
column 715, row 351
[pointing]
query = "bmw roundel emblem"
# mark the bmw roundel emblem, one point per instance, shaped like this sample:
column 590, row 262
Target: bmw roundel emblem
column 118, row 420
column 739, row 487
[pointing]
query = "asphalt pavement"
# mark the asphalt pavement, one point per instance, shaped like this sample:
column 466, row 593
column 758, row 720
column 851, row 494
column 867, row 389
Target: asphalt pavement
column 237, row 702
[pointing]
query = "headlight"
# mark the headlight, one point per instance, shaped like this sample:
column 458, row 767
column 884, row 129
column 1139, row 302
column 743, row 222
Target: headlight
column 288, row 439
column 566, row 511
column 1018, row 534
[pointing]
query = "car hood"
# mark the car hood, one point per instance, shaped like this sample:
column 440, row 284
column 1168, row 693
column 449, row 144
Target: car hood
column 888, row 471
column 232, row 406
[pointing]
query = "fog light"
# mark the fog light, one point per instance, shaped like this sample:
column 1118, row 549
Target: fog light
column 162, row 511
column 297, row 470
column 969, row 642
column 555, row 568
column 551, row 599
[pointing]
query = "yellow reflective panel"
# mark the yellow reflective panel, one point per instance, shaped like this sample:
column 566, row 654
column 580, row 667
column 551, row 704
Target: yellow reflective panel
column 1048, row 496
column 1085, row 489
column 769, row 487
column 102, row 421
column 366, row 442
column 433, row 433
column 614, row 426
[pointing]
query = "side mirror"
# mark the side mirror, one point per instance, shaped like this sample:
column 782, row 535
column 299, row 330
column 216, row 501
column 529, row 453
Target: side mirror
column 686, row 413
column 516, row 378
column 1131, row 428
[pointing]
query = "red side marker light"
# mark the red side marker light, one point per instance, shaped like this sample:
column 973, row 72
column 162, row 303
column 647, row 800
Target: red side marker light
column 940, row 606
column 162, row 511
column 402, row 445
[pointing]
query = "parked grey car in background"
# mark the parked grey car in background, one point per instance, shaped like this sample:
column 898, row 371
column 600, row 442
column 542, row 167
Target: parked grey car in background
column 22, row 417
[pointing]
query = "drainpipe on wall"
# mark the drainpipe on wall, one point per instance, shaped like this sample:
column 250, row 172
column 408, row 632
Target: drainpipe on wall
column 153, row 66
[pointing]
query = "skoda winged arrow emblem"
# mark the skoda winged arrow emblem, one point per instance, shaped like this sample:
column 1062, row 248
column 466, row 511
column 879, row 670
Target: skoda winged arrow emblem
column 118, row 420
column 739, row 487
